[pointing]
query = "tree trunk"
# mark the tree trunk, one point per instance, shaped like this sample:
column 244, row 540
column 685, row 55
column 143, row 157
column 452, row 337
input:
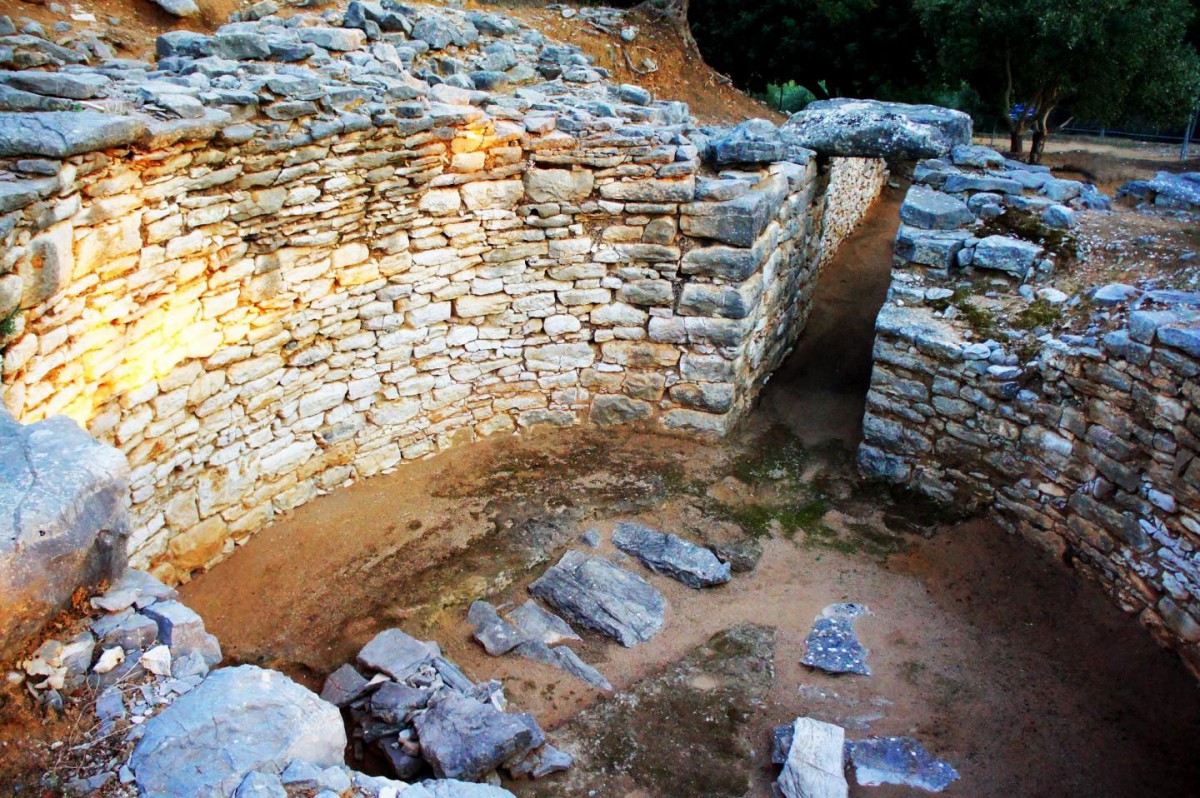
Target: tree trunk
column 676, row 12
column 1016, row 141
column 1037, row 145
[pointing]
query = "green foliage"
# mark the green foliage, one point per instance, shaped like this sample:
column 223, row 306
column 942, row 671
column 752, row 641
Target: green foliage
column 788, row 97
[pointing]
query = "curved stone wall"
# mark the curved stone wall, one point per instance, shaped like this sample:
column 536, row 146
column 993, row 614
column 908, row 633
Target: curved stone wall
column 256, row 313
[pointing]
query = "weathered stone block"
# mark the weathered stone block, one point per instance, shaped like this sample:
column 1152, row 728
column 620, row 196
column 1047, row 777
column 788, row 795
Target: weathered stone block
column 63, row 521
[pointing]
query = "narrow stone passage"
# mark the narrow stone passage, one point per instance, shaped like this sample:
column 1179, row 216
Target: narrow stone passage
column 998, row 660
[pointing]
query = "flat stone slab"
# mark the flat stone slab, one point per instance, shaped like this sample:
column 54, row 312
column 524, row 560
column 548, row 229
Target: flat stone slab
column 397, row 654
column 63, row 520
column 496, row 635
column 814, row 766
column 932, row 210
column 237, row 721
column 671, row 555
column 1010, row 255
column 872, row 129
column 535, row 623
column 462, row 738
column 899, row 760
column 565, row 659
column 596, row 594
column 61, row 134
column 832, row 646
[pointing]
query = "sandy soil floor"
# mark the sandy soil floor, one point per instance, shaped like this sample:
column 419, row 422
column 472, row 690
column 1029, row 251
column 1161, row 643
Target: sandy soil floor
column 1008, row 665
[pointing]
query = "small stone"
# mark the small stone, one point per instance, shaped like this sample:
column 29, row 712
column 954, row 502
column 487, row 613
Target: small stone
column 462, row 738
column 396, row 654
column 109, row 659
column 157, row 661
column 535, row 623
column 344, row 686
column 832, row 646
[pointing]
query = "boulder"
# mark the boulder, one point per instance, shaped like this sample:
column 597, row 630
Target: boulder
column 1011, row 255
column 753, row 141
column 238, row 720
column 932, row 210
column 935, row 248
column 594, row 593
column 63, row 520
column 462, row 738
column 671, row 555
column 872, row 129
column 832, row 646
column 451, row 788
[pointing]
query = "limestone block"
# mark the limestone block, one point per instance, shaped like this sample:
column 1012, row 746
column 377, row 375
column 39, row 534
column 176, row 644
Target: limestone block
column 651, row 190
column 493, row 194
column 640, row 354
column 49, row 264
column 558, row 185
column 736, row 301
column 611, row 410
column 440, row 202
column 559, row 357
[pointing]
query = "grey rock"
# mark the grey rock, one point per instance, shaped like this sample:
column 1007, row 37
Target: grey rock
column 337, row 39
column 1059, row 217
column 237, row 721
column 489, row 80
column 872, row 129
column 1166, row 190
column 671, row 555
column 737, row 222
column 393, row 703
column 781, row 742
column 240, row 45
column 753, row 141
column 898, row 760
column 143, row 588
column 71, row 85
column 1062, row 190
column 591, row 538
column 261, row 785
column 61, row 134
column 565, row 659
column 495, row 634
column 396, row 654
column 110, row 704
column 434, row 31
column 932, row 210
column 935, row 248
column 1010, row 255
column 343, row 686
column 180, row 628
column 180, row 8
column 832, row 646
column 63, row 520
column 127, row 630
column 596, row 594
column 956, row 184
column 535, row 623
column 462, row 738
column 541, row 762
column 452, row 788
column 1114, row 294
column 1184, row 338
column 634, row 95
column 977, row 156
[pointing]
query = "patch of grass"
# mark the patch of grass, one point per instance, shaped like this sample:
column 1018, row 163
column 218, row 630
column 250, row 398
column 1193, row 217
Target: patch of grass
column 777, row 456
column 1029, row 226
column 757, row 520
column 982, row 322
column 1039, row 314
column 8, row 325
column 676, row 482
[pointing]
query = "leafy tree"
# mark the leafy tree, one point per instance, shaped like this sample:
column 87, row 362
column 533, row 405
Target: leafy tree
column 1103, row 60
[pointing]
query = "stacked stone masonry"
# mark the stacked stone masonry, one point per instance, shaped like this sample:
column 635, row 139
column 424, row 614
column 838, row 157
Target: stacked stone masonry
column 1086, row 447
column 257, row 309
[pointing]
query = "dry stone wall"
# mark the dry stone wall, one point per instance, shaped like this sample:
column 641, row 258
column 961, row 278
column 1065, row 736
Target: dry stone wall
column 1084, row 444
column 263, row 305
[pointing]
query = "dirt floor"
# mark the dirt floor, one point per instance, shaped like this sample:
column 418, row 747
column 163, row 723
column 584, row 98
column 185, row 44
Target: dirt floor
column 1008, row 665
